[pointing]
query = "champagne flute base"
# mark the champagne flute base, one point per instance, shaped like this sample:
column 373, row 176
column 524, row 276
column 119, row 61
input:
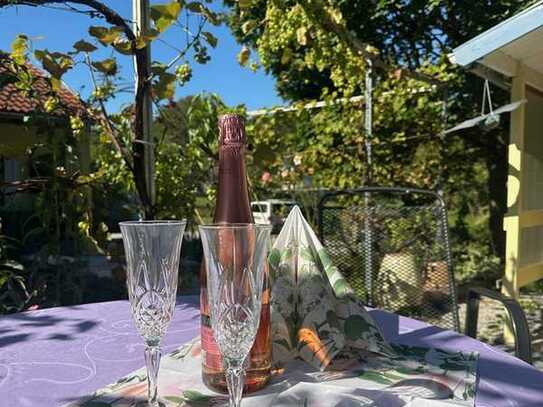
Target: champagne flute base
column 255, row 380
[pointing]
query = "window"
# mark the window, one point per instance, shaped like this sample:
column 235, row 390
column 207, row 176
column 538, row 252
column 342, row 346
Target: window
column 258, row 208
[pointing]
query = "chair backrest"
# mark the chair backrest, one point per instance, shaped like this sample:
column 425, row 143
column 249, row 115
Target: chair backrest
column 392, row 246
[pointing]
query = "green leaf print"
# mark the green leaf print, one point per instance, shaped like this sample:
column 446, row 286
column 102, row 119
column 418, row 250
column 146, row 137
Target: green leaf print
column 392, row 375
column 274, row 258
column 182, row 352
column 195, row 396
column 340, row 287
column 375, row 377
column 136, row 378
column 286, row 255
column 469, row 391
column 325, row 259
column 354, row 326
column 410, row 351
column 306, row 253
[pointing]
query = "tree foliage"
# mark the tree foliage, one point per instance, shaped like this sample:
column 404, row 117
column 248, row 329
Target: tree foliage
column 318, row 50
column 186, row 158
column 67, row 220
column 119, row 36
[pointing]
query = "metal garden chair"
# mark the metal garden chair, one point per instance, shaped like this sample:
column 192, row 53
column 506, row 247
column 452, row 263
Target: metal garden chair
column 392, row 245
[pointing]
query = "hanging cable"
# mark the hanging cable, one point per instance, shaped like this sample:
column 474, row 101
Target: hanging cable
column 486, row 97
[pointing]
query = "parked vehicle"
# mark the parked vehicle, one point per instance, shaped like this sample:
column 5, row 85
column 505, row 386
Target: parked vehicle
column 272, row 212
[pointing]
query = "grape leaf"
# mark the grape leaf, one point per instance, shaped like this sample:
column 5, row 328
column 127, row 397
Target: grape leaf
column 107, row 66
column 84, row 46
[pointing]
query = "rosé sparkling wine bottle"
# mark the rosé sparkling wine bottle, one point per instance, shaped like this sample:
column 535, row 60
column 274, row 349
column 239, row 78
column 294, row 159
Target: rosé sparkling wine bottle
column 233, row 207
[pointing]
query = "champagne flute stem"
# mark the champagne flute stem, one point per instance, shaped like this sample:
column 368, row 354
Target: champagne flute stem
column 152, row 362
column 235, row 379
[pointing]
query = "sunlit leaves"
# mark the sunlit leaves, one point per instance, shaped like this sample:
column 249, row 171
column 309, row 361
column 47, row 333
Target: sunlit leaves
column 158, row 68
column 84, row 46
column 210, row 38
column 113, row 36
column 24, row 79
column 194, row 6
column 104, row 91
column 148, row 36
column 123, row 46
column 200, row 53
column 164, row 87
column 50, row 104
column 107, row 66
column 106, row 35
column 199, row 8
column 55, row 63
column 19, row 48
column 183, row 73
column 243, row 56
column 77, row 125
column 192, row 44
column 301, row 35
column 248, row 26
column 164, row 15
column 244, row 4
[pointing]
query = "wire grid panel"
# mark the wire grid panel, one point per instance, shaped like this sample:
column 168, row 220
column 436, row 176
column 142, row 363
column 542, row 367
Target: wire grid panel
column 395, row 256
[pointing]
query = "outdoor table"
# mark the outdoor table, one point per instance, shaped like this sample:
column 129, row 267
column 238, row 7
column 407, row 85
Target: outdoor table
column 53, row 356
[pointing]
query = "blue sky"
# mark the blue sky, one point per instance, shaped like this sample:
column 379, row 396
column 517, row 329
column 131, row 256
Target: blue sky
column 58, row 30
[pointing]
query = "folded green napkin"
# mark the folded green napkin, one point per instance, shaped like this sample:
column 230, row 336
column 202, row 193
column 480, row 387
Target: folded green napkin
column 315, row 313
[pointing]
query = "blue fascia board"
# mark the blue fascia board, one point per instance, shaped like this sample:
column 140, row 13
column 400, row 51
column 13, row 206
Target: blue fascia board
column 499, row 36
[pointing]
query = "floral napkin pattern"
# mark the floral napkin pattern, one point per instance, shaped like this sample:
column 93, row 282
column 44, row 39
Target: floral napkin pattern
column 418, row 378
column 315, row 314
column 327, row 349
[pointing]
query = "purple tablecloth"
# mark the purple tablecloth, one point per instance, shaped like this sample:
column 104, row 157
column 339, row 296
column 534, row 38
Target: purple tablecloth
column 50, row 357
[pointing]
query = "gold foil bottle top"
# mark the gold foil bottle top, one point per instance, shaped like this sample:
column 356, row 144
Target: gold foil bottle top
column 231, row 130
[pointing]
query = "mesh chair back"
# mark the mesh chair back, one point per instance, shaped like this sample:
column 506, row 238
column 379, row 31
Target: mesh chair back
column 392, row 245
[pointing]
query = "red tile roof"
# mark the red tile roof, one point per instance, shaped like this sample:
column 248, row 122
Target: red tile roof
column 15, row 101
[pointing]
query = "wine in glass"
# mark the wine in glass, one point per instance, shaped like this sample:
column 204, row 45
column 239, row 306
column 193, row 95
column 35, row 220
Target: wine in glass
column 235, row 256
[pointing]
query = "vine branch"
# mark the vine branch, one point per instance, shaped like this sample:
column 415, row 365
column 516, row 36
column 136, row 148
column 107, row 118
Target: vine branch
column 142, row 85
column 107, row 119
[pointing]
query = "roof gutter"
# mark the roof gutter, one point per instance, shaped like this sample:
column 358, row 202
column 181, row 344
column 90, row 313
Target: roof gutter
column 499, row 36
column 23, row 117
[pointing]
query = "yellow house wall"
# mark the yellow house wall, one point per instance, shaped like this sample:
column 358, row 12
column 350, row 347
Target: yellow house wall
column 524, row 219
column 514, row 189
column 523, row 222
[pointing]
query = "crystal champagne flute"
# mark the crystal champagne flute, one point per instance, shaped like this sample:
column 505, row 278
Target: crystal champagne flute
column 152, row 250
column 235, row 256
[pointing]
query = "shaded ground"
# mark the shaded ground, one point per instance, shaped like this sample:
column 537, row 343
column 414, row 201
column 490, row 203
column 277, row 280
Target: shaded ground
column 491, row 315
